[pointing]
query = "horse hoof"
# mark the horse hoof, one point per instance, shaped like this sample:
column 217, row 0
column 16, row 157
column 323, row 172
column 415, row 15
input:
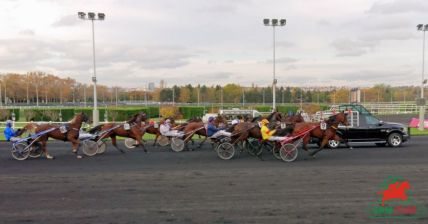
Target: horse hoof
column 49, row 157
column 79, row 156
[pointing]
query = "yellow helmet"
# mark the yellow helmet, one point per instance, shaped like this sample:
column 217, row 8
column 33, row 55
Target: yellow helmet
column 265, row 121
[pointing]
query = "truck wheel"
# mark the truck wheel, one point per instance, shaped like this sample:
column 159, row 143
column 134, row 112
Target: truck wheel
column 395, row 140
column 333, row 144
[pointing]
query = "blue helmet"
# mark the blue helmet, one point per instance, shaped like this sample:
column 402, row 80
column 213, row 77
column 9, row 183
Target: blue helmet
column 210, row 119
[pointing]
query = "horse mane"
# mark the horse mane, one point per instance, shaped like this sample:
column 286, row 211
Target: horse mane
column 135, row 117
column 73, row 120
column 255, row 119
column 270, row 116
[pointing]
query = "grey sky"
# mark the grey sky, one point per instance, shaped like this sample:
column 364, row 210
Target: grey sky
column 329, row 42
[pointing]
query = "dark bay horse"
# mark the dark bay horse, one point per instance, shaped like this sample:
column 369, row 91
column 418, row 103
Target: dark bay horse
column 71, row 134
column 135, row 132
column 324, row 135
column 196, row 126
column 151, row 129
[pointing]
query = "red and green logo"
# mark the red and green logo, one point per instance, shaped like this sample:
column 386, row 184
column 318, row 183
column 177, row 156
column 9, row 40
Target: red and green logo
column 395, row 200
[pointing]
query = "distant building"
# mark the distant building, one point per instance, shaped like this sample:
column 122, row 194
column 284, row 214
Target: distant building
column 151, row 86
column 162, row 84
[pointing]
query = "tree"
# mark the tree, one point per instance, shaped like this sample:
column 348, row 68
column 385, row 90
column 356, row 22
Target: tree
column 184, row 95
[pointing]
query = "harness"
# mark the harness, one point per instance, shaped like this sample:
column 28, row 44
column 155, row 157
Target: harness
column 65, row 129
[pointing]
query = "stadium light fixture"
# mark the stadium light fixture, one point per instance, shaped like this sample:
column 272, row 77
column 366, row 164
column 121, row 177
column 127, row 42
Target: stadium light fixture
column 274, row 23
column 93, row 16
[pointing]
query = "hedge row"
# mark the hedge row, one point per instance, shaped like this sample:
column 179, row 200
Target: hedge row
column 189, row 112
column 287, row 108
column 6, row 114
column 68, row 113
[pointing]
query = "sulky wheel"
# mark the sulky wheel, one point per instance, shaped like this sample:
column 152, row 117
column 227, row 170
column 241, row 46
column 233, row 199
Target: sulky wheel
column 101, row 147
column 130, row 143
column 177, row 144
column 225, row 151
column 36, row 150
column 89, row 147
column 276, row 151
column 163, row 140
column 254, row 147
column 288, row 152
column 20, row 151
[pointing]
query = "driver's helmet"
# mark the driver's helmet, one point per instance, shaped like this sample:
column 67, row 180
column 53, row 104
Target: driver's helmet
column 265, row 121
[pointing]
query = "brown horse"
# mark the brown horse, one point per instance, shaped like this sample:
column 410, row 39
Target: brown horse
column 316, row 132
column 154, row 131
column 244, row 130
column 113, row 129
column 196, row 126
column 297, row 118
column 72, row 133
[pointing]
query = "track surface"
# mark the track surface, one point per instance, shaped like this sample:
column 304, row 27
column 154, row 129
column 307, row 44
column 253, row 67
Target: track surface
column 198, row 187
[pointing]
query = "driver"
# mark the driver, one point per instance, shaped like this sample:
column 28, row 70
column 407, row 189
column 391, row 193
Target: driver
column 166, row 130
column 214, row 132
column 268, row 134
column 9, row 133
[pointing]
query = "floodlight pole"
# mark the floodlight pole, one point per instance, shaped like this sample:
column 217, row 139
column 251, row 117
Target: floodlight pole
column 91, row 16
column 95, row 112
column 274, row 23
column 422, row 28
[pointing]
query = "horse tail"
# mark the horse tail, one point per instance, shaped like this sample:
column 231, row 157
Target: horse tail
column 95, row 129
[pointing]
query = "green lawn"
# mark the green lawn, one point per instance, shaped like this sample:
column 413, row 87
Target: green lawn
column 416, row 132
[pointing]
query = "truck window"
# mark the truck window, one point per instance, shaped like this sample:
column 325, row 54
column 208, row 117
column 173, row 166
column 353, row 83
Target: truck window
column 371, row 120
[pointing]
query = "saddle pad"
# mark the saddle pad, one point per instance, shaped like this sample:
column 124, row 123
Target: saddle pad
column 127, row 126
column 63, row 129
column 323, row 125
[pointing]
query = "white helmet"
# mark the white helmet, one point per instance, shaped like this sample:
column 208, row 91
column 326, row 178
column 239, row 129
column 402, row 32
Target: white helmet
column 236, row 121
column 168, row 121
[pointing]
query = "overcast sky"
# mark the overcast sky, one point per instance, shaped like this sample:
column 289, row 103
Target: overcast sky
column 328, row 42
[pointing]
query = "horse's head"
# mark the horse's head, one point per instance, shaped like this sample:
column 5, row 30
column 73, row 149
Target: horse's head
column 80, row 118
column 220, row 120
column 340, row 118
column 85, row 117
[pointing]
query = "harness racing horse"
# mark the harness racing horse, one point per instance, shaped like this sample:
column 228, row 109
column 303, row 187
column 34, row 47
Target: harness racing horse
column 71, row 133
column 196, row 126
column 135, row 131
column 316, row 132
column 151, row 129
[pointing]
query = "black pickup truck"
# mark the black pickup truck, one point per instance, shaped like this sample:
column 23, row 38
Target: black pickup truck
column 366, row 128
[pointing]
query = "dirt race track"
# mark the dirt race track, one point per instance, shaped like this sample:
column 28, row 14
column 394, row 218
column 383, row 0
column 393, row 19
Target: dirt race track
column 198, row 187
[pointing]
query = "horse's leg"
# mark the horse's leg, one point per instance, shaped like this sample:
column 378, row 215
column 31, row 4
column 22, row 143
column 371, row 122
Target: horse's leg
column 114, row 143
column 305, row 142
column 45, row 150
column 340, row 139
column 139, row 142
column 156, row 139
column 203, row 141
column 189, row 138
column 75, row 145
column 323, row 144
